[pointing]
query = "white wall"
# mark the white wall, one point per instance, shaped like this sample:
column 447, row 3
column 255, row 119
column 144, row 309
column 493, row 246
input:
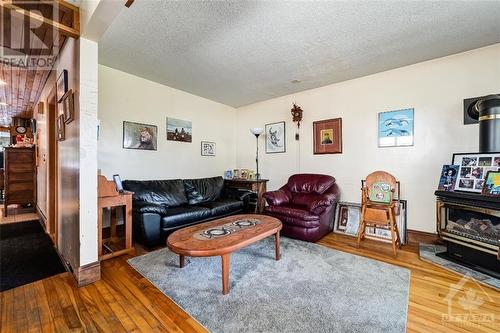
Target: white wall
column 126, row 97
column 88, row 151
column 435, row 89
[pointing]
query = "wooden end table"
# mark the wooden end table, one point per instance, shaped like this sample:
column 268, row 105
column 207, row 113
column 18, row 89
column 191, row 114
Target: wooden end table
column 222, row 237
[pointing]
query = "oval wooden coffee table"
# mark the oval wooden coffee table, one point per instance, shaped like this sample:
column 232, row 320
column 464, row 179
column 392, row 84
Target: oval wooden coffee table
column 223, row 236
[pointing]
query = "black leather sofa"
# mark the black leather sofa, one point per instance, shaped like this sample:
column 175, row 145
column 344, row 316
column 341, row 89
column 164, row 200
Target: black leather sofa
column 162, row 206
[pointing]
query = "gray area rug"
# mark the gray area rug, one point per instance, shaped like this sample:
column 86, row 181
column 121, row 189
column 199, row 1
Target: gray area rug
column 311, row 289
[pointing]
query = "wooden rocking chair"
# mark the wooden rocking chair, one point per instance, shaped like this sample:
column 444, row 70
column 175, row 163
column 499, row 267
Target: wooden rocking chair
column 379, row 204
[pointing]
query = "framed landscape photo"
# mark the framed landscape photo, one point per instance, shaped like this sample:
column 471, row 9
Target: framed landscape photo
column 327, row 136
column 395, row 128
column 275, row 138
column 139, row 136
column 473, row 168
column 492, row 183
column 62, row 85
column 179, row 130
column 207, row 148
column 347, row 218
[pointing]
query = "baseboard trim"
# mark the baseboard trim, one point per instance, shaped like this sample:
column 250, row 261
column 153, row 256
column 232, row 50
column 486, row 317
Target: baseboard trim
column 87, row 274
column 416, row 236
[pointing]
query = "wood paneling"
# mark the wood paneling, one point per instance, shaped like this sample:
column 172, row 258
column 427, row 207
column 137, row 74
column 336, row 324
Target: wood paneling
column 24, row 85
column 123, row 300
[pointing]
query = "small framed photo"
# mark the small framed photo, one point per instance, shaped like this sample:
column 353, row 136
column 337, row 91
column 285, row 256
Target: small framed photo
column 275, row 138
column 491, row 184
column 395, row 128
column 139, row 136
column 118, row 183
column 228, row 174
column 448, row 178
column 62, row 85
column 473, row 168
column 327, row 136
column 347, row 218
column 60, row 128
column 68, row 107
column 207, row 148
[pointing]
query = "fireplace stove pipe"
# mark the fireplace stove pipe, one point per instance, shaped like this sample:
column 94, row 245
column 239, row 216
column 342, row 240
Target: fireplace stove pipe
column 487, row 111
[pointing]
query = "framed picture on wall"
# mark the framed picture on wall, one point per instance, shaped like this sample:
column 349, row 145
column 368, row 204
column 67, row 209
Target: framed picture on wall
column 60, row 128
column 473, row 168
column 347, row 218
column 395, row 128
column 139, row 136
column 62, row 85
column 179, row 130
column 327, row 136
column 207, row 148
column 68, row 107
column 275, row 138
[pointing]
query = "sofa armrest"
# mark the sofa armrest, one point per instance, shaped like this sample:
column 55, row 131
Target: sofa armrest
column 319, row 204
column 147, row 228
column 276, row 198
column 148, row 207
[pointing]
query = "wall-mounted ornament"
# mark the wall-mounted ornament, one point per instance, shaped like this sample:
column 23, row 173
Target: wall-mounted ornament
column 62, row 85
column 297, row 118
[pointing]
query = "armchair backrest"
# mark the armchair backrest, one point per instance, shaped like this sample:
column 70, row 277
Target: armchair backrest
column 302, row 187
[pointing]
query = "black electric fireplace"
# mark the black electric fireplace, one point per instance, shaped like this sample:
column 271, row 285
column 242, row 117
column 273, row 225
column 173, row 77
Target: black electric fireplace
column 469, row 223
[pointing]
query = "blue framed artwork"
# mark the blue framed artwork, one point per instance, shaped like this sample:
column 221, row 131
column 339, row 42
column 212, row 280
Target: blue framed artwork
column 395, row 128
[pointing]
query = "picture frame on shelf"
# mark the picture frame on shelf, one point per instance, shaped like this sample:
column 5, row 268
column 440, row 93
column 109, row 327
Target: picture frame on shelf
column 228, row 174
column 275, row 137
column 347, row 218
column 60, row 128
column 139, row 136
column 327, row 136
column 68, row 107
column 396, row 128
column 473, row 168
column 62, row 85
column 207, row 148
column 491, row 184
column 448, row 178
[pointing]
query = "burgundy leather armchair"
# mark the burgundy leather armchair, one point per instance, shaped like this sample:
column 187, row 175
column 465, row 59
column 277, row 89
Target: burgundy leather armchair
column 305, row 205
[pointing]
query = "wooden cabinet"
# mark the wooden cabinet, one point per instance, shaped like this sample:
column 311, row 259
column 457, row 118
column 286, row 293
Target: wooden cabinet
column 20, row 177
column 257, row 186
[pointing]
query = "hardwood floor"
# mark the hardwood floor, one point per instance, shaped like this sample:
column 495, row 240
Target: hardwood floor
column 124, row 301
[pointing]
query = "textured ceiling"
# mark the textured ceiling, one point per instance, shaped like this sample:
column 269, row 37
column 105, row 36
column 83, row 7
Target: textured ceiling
column 242, row 52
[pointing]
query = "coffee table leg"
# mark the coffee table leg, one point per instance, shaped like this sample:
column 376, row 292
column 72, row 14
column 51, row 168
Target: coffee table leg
column 277, row 245
column 225, row 273
column 181, row 260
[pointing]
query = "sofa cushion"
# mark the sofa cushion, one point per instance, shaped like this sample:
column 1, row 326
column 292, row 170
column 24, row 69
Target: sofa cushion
column 294, row 215
column 223, row 206
column 166, row 192
column 310, row 183
column 182, row 215
column 203, row 189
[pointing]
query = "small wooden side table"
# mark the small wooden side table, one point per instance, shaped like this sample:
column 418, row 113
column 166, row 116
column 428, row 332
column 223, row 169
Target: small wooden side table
column 257, row 186
column 109, row 197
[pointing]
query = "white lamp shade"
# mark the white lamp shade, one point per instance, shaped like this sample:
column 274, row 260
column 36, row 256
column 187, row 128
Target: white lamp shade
column 256, row 130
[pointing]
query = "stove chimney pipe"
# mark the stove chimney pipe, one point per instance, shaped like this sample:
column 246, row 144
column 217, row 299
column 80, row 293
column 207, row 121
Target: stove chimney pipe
column 487, row 111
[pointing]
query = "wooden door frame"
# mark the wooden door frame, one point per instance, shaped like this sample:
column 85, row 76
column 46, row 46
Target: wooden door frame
column 52, row 166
